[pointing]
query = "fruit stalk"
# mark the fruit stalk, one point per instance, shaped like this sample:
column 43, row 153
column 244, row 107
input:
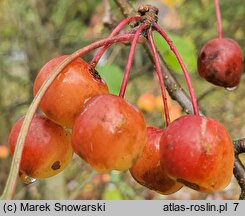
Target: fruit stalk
column 178, row 93
column 218, row 17
column 124, row 22
column 159, row 74
column 14, row 169
column 187, row 77
column 130, row 59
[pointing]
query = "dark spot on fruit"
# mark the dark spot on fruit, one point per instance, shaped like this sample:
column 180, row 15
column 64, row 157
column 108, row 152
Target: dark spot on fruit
column 56, row 165
column 234, row 66
column 95, row 74
column 228, row 72
column 188, row 184
column 20, row 173
column 213, row 77
column 49, row 113
column 203, row 55
column 212, row 74
column 211, row 57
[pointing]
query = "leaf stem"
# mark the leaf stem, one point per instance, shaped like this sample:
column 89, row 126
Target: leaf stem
column 12, row 178
column 186, row 74
column 159, row 74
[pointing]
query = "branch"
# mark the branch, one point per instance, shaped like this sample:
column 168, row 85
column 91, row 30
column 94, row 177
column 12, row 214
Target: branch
column 239, row 169
column 177, row 93
column 206, row 93
column 239, row 173
column 10, row 186
column 173, row 87
column 126, row 8
column 239, row 146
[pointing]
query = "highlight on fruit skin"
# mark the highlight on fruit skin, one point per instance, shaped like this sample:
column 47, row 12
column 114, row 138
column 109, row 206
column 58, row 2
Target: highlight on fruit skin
column 220, row 61
column 147, row 170
column 109, row 133
column 47, row 147
column 198, row 152
column 71, row 88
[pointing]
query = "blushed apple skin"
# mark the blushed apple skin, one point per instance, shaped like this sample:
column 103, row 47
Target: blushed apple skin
column 47, row 147
column 220, row 62
column 147, row 170
column 109, row 133
column 198, row 152
column 71, row 88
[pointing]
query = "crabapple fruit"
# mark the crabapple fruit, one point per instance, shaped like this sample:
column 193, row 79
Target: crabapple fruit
column 47, row 147
column 109, row 133
column 220, row 62
column 147, row 170
column 198, row 152
column 70, row 89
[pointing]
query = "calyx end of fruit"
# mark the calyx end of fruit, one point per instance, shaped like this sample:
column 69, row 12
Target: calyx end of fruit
column 189, row 184
column 94, row 73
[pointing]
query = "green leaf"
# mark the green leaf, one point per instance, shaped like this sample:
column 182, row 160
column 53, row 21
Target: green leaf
column 111, row 193
column 112, row 74
column 186, row 50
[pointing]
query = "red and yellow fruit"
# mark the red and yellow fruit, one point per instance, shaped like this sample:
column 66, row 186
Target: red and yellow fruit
column 4, row 151
column 175, row 110
column 146, row 102
column 159, row 103
column 47, row 147
column 109, row 133
column 72, row 87
column 147, row 170
column 198, row 152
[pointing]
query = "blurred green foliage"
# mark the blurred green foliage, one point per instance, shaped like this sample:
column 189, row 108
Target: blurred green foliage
column 186, row 49
column 112, row 75
column 199, row 20
column 112, row 193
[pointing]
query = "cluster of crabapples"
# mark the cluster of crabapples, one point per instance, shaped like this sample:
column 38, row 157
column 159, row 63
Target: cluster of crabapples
column 80, row 115
column 111, row 134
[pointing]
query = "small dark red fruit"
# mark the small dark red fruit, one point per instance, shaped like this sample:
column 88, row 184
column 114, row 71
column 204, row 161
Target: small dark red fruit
column 147, row 170
column 198, row 152
column 69, row 91
column 220, row 62
column 109, row 133
column 47, row 148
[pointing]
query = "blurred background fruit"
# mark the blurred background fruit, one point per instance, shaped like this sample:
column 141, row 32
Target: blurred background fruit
column 4, row 151
column 146, row 102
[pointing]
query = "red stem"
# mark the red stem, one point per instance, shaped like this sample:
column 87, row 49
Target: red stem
column 218, row 17
column 130, row 59
column 124, row 22
column 187, row 77
column 160, row 77
column 12, row 178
